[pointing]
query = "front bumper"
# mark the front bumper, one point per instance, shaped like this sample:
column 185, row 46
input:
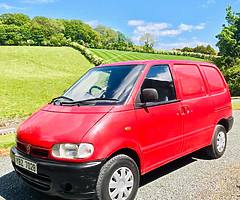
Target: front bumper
column 65, row 180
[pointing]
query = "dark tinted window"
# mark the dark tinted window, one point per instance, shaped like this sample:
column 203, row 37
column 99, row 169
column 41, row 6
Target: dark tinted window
column 160, row 78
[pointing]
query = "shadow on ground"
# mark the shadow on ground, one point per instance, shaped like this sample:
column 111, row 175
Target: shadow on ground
column 12, row 187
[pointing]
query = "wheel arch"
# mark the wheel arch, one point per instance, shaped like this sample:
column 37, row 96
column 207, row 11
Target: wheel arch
column 128, row 152
column 224, row 123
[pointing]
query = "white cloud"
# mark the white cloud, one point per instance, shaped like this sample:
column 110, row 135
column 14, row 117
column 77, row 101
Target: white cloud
column 160, row 29
column 208, row 3
column 186, row 27
column 38, row 1
column 175, row 45
column 211, row 1
column 6, row 6
column 135, row 22
column 200, row 26
column 153, row 28
column 93, row 23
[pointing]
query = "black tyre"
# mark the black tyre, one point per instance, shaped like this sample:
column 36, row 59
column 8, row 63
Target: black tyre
column 118, row 179
column 219, row 142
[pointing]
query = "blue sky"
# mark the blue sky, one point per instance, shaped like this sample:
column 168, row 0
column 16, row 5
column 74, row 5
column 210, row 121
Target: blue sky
column 173, row 23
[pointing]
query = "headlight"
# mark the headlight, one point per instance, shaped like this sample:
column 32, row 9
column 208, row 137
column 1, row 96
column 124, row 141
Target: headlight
column 83, row 150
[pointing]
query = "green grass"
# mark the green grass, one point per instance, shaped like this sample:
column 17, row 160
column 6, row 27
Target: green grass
column 32, row 76
column 236, row 106
column 7, row 141
column 115, row 56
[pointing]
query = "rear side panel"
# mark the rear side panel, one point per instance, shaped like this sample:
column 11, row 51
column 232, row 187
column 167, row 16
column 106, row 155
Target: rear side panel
column 218, row 93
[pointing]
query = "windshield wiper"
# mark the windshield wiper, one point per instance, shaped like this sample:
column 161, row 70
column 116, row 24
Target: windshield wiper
column 87, row 100
column 61, row 97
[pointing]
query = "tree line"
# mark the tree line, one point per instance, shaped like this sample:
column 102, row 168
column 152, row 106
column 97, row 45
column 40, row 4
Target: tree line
column 19, row 29
column 200, row 49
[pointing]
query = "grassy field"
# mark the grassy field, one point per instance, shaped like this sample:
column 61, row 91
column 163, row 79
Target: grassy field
column 115, row 56
column 7, row 141
column 236, row 106
column 32, row 76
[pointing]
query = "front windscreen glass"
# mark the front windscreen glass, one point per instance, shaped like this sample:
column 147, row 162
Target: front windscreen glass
column 102, row 85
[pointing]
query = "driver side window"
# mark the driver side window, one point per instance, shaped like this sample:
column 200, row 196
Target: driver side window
column 159, row 78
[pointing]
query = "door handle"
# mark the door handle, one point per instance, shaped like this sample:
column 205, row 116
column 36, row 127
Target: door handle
column 184, row 110
column 187, row 110
column 181, row 111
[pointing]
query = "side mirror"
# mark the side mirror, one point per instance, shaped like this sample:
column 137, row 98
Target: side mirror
column 149, row 95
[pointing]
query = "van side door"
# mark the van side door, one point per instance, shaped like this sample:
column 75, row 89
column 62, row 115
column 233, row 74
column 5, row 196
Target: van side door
column 196, row 107
column 158, row 123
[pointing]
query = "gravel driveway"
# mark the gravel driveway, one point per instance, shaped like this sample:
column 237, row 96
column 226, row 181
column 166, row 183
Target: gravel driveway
column 191, row 177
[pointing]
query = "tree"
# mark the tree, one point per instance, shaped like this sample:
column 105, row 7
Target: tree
column 17, row 19
column 200, row 49
column 148, row 41
column 112, row 39
column 210, row 50
column 205, row 50
column 229, row 37
column 80, row 32
column 108, row 36
column 187, row 49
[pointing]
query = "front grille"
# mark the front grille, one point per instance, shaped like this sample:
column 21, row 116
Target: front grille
column 32, row 150
column 39, row 152
column 21, row 147
column 39, row 181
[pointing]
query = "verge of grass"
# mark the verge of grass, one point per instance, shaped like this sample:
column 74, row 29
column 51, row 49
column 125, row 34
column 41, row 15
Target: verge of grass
column 115, row 56
column 32, row 76
column 236, row 106
column 7, row 141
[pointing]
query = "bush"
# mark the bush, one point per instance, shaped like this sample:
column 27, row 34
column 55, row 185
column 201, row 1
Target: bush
column 232, row 76
column 88, row 54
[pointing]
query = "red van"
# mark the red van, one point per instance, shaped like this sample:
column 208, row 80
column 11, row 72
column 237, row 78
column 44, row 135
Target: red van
column 120, row 121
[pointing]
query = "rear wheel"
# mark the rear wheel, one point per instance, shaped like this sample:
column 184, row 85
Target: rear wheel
column 219, row 141
column 118, row 179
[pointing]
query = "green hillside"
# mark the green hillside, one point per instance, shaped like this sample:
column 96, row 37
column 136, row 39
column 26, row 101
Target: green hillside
column 115, row 56
column 32, row 76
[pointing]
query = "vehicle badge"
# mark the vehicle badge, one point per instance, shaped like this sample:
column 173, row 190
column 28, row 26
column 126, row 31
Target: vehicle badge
column 28, row 148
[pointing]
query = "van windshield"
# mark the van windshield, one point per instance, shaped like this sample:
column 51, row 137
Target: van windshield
column 102, row 86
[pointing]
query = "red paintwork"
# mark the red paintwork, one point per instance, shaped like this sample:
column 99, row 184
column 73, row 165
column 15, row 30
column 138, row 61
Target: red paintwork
column 158, row 135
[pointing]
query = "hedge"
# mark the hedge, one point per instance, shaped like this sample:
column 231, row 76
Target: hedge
column 87, row 53
column 232, row 76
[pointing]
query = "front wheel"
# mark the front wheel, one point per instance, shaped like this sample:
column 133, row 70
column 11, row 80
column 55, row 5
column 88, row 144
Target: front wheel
column 219, row 142
column 118, row 179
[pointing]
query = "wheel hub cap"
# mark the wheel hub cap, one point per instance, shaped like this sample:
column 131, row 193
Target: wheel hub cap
column 221, row 141
column 121, row 184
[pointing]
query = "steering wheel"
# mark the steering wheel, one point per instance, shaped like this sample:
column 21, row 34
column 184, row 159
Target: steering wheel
column 94, row 87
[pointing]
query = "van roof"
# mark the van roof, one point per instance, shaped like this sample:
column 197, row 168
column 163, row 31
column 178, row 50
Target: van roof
column 139, row 62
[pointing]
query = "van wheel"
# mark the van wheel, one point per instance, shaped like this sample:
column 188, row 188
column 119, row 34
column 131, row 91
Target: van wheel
column 118, row 179
column 219, row 142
